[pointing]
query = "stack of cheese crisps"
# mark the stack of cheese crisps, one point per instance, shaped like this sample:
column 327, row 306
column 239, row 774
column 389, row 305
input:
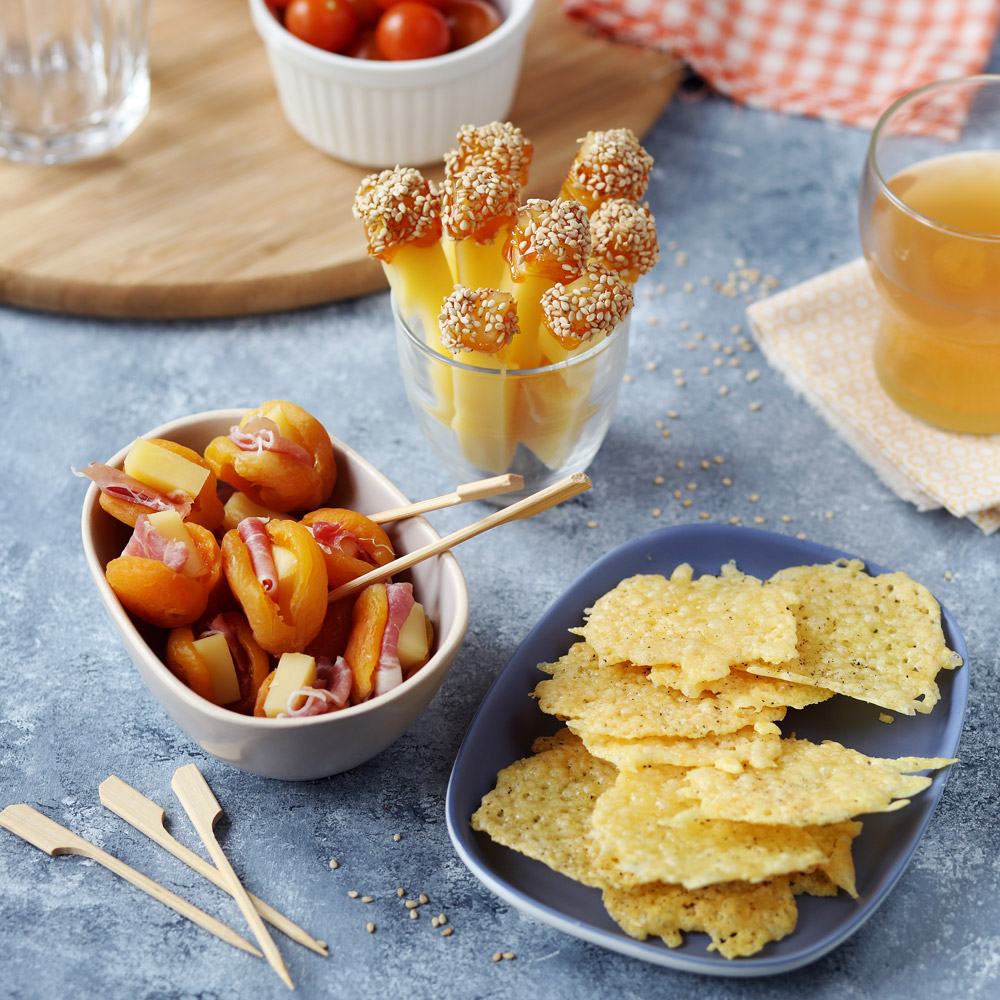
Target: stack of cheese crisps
column 672, row 788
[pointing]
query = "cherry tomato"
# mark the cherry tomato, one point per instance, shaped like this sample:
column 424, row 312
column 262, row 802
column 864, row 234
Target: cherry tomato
column 470, row 20
column 368, row 12
column 364, row 46
column 386, row 4
column 412, row 30
column 327, row 24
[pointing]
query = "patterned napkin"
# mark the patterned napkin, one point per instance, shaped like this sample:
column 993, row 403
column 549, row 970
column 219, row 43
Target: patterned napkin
column 841, row 60
column 819, row 336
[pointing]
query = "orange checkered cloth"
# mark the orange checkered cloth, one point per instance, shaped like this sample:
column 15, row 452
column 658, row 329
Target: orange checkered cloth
column 840, row 60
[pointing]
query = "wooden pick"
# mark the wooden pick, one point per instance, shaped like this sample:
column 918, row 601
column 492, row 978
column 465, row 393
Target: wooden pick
column 200, row 804
column 147, row 817
column 481, row 489
column 47, row 835
column 528, row 507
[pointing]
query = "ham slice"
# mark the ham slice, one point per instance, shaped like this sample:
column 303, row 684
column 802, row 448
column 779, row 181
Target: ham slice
column 329, row 692
column 388, row 672
column 147, row 543
column 258, row 542
column 116, row 484
column 336, row 538
column 262, row 434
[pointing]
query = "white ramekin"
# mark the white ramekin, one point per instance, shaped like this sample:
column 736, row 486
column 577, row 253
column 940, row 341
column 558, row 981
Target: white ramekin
column 383, row 114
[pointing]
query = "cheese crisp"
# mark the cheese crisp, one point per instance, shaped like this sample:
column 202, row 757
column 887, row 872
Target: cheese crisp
column 618, row 700
column 541, row 807
column 810, row 784
column 755, row 746
column 743, row 690
column 874, row 638
column 703, row 626
column 640, row 827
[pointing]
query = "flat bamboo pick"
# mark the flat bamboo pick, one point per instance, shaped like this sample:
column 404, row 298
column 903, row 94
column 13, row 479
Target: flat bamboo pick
column 147, row 817
column 201, row 805
column 481, row 489
column 528, row 507
column 47, row 835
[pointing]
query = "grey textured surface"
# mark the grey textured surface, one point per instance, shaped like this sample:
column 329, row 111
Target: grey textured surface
column 729, row 183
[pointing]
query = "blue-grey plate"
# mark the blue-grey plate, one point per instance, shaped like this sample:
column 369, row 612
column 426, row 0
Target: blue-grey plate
column 508, row 721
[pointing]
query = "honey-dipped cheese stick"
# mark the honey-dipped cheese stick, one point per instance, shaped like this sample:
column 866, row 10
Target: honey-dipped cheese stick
column 499, row 145
column 623, row 238
column 478, row 208
column 478, row 327
column 610, row 164
column 549, row 244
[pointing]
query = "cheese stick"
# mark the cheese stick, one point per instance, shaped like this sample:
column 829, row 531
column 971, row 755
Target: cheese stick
column 623, row 237
column 550, row 243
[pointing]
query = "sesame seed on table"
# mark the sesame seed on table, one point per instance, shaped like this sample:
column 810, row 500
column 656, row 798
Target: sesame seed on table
column 755, row 202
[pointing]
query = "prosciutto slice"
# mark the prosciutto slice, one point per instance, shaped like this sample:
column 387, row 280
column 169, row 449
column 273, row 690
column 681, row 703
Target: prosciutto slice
column 336, row 538
column 115, row 483
column 329, row 692
column 263, row 434
column 388, row 672
column 258, row 543
column 147, row 543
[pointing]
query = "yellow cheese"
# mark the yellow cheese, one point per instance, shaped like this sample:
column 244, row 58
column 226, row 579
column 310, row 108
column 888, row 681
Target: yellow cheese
column 215, row 654
column 163, row 470
column 239, row 506
column 484, row 411
column 412, row 647
column 277, row 414
column 286, row 563
column 169, row 524
column 294, row 671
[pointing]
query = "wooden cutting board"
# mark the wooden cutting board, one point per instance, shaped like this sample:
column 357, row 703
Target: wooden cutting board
column 216, row 207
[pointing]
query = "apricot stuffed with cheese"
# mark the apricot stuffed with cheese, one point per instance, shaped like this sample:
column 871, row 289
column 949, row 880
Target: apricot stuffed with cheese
column 351, row 543
column 167, row 571
column 279, row 456
column 276, row 572
column 159, row 475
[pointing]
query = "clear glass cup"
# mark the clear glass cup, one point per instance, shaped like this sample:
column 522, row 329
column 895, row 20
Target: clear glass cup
column 930, row 228
column 542, row 423
column 74, row 76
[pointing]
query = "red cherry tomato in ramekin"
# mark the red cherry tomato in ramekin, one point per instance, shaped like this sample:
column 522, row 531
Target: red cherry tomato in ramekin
column 327, row 24
column 412, row 30
column 470, row 20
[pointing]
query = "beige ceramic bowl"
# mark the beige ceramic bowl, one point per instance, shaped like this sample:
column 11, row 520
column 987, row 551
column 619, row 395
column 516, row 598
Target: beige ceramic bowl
column 291, row 749
column 380, row 114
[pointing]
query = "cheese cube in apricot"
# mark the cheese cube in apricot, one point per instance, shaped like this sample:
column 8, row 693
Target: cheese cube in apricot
column 214, row 652
column 169, row 524
column 413, row 643
column 294, row 671
column 164, row 470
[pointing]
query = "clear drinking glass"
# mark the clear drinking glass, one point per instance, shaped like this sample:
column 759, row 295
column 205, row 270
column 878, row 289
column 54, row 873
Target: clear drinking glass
column 542, row 423
column 930, row 228
column 74, row 76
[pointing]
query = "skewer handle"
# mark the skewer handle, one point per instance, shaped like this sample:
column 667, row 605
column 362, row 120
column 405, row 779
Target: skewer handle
column 47, row 835
column 201, row 805
column 147, row 817
column 481, row 489
column 528, row 507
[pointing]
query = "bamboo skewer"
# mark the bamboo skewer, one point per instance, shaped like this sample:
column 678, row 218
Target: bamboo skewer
column 47, row 835
column 568, row 487
column 192, row 789
column 478, row 490
column 147, row 817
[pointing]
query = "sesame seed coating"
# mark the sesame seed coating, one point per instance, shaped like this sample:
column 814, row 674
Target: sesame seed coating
column 550, row 239
column 397, row 206
column 499, row 145
column 595, row 303
column 476, row 202
column 624, row 238
column 609, row 164
column 484, row 319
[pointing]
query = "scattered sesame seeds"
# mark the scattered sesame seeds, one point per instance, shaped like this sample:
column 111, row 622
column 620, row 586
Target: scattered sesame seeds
column 786, row 518
column 401, row 892
column 657, row 512
column 367, row 899
column 704, row 515
column 678, row 494
column 734, row 520
column 758, row 520
column 370, row 927
column 886, row 718
column 688, row 286
column 591, row 524
column 680, row 383
column 497, row 956
column 509, row 955
column 397, row 837
column 828, row 514
column 947, row 574
column 726, row 481
column 414, row 915
column 661, row 288
column 704, row 463
column 723, row 390
column 800, row 535
column 627, row 379
column 447, row 932
column 680, row 258
column 718, row 459
column 353, row 893
column 424, row 900
column 686, row 503
column 705, row 370
column 752, row 375
column 665, row 432
column 692, row 486
column 442, row 919
column 411, row 904
column 658, row 480
column 673, row 414
column 680, row 463
column 334, row 863
column 755, row 407
column 685, row 325
column 754, row 497
column 651, row 365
